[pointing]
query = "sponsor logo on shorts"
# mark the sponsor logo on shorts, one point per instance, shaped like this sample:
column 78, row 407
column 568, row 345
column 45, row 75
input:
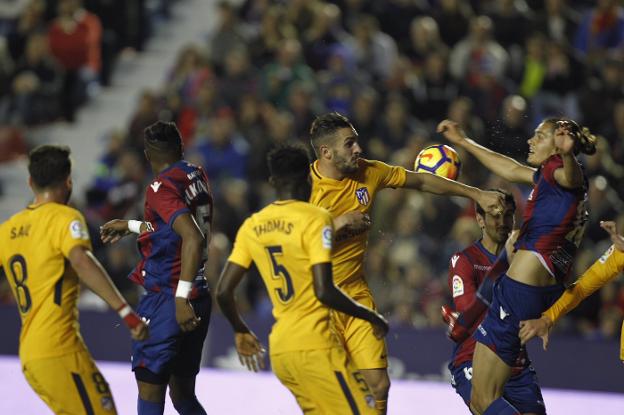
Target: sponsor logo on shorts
column 482, row 330
column 468, row 372
column 502, row 313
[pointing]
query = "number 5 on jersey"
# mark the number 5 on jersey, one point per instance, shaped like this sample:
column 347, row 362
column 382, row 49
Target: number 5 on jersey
column 279, row 272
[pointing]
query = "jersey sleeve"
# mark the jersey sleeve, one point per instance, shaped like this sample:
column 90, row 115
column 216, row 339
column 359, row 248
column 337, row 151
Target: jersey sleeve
column 166, row 200
column 318, row 238
column 73, row 232
column 607, row 267
column 388, row 176
column 548, row 169
column 241, row 254
column 461, row 282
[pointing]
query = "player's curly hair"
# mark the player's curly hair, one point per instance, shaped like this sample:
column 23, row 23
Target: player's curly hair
column 289, row 163
column 164, row 137
column 49, row 165
column 324, row 126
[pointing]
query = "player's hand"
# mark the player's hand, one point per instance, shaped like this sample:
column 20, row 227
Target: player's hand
column 354, row 221
column 185, row 315
column 140, row 332
column 538, row 327
column 455, row 332
column 250, row 351
column 380, row 325
column 509, row 244
column 451, row 131
column 114, row 230
column 618, row 240
column 564, row 139
column 493, row 202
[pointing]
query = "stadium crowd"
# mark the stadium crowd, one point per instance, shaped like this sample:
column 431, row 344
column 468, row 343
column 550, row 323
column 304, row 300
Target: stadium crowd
column 395, row 68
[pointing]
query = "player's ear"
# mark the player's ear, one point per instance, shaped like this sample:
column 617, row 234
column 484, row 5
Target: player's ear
column 325, row 152
column 480, row 220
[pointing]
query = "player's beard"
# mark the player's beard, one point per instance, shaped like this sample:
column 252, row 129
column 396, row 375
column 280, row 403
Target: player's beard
column 346, row 165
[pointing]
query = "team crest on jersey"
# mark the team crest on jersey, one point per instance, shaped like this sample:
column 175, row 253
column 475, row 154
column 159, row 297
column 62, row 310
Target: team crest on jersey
column 607, row 254
column 458, row 286
column 362, row 196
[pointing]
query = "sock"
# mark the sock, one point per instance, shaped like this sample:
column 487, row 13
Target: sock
column 501, row 407
column 150, row 408
column 189, row 407
column 381, row 406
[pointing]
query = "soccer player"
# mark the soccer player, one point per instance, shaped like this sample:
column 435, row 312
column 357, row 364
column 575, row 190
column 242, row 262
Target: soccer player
column 346, row 184
column 45, row 251
column 291, row 242
column 466, row 271
column 607, row 267
column 173, row 244
column 554, row 221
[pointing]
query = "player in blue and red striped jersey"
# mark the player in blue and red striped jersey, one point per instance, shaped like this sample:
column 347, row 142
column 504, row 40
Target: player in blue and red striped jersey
column 173, row 244
column 554, row 221
column 467, row 269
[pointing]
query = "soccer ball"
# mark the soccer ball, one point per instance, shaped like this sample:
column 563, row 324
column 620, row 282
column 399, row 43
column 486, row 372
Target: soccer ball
column 439, row 159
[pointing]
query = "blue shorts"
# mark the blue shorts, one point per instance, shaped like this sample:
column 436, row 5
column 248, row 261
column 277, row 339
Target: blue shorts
column 521, row 390
column 513, row 302
column 169, row 350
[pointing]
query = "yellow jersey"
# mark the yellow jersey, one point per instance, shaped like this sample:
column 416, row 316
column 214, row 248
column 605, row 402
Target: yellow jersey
column 285, row 239
column 607, row 267
column 34, row 246
column 356, row 192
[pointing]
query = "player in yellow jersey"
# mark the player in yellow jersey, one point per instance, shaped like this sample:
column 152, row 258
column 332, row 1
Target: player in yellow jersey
column 607, row 267
column 290, row 242
column 346, row 184
column 45, row 251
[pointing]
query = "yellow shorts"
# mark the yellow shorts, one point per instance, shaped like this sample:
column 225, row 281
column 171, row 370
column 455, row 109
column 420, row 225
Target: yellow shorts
column 70, row 384
column 324, row 382
column 365, row 350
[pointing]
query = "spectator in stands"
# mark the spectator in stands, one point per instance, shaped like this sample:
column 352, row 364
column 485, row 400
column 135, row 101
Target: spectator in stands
column 557, row 20
column 37, row 83
column 229, row 34
column 508, row 135
column 375, row 51
column 453, row 17
column 601, row 30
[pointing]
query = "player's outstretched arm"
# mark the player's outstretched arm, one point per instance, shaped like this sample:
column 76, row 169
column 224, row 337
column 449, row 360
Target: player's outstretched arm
column 250, row 350
column 95, row 277
column 112, row 231
column 503, row 166
column 570, row 175
column 191, row 255
column 332, row 297
column 492, row 202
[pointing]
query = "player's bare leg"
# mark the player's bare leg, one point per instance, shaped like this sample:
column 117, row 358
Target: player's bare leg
column 489, row 375
column 182, row 394
column 379, row 383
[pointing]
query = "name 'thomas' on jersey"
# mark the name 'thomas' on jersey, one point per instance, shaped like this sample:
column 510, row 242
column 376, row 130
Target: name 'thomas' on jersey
column 355, row 192
column 284, row 240
column 181, row 188
column 34, row 246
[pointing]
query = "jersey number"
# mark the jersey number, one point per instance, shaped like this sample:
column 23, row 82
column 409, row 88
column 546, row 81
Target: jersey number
column 279, row 271
column 17, row 269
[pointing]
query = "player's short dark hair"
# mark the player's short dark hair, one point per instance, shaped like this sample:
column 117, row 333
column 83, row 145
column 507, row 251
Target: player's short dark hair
column 325, row 126
column 289, row 163
column 49, row 165
column 164, row 137
column 508, row 197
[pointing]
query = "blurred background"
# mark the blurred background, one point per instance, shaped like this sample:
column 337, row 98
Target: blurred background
column 239, row 77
